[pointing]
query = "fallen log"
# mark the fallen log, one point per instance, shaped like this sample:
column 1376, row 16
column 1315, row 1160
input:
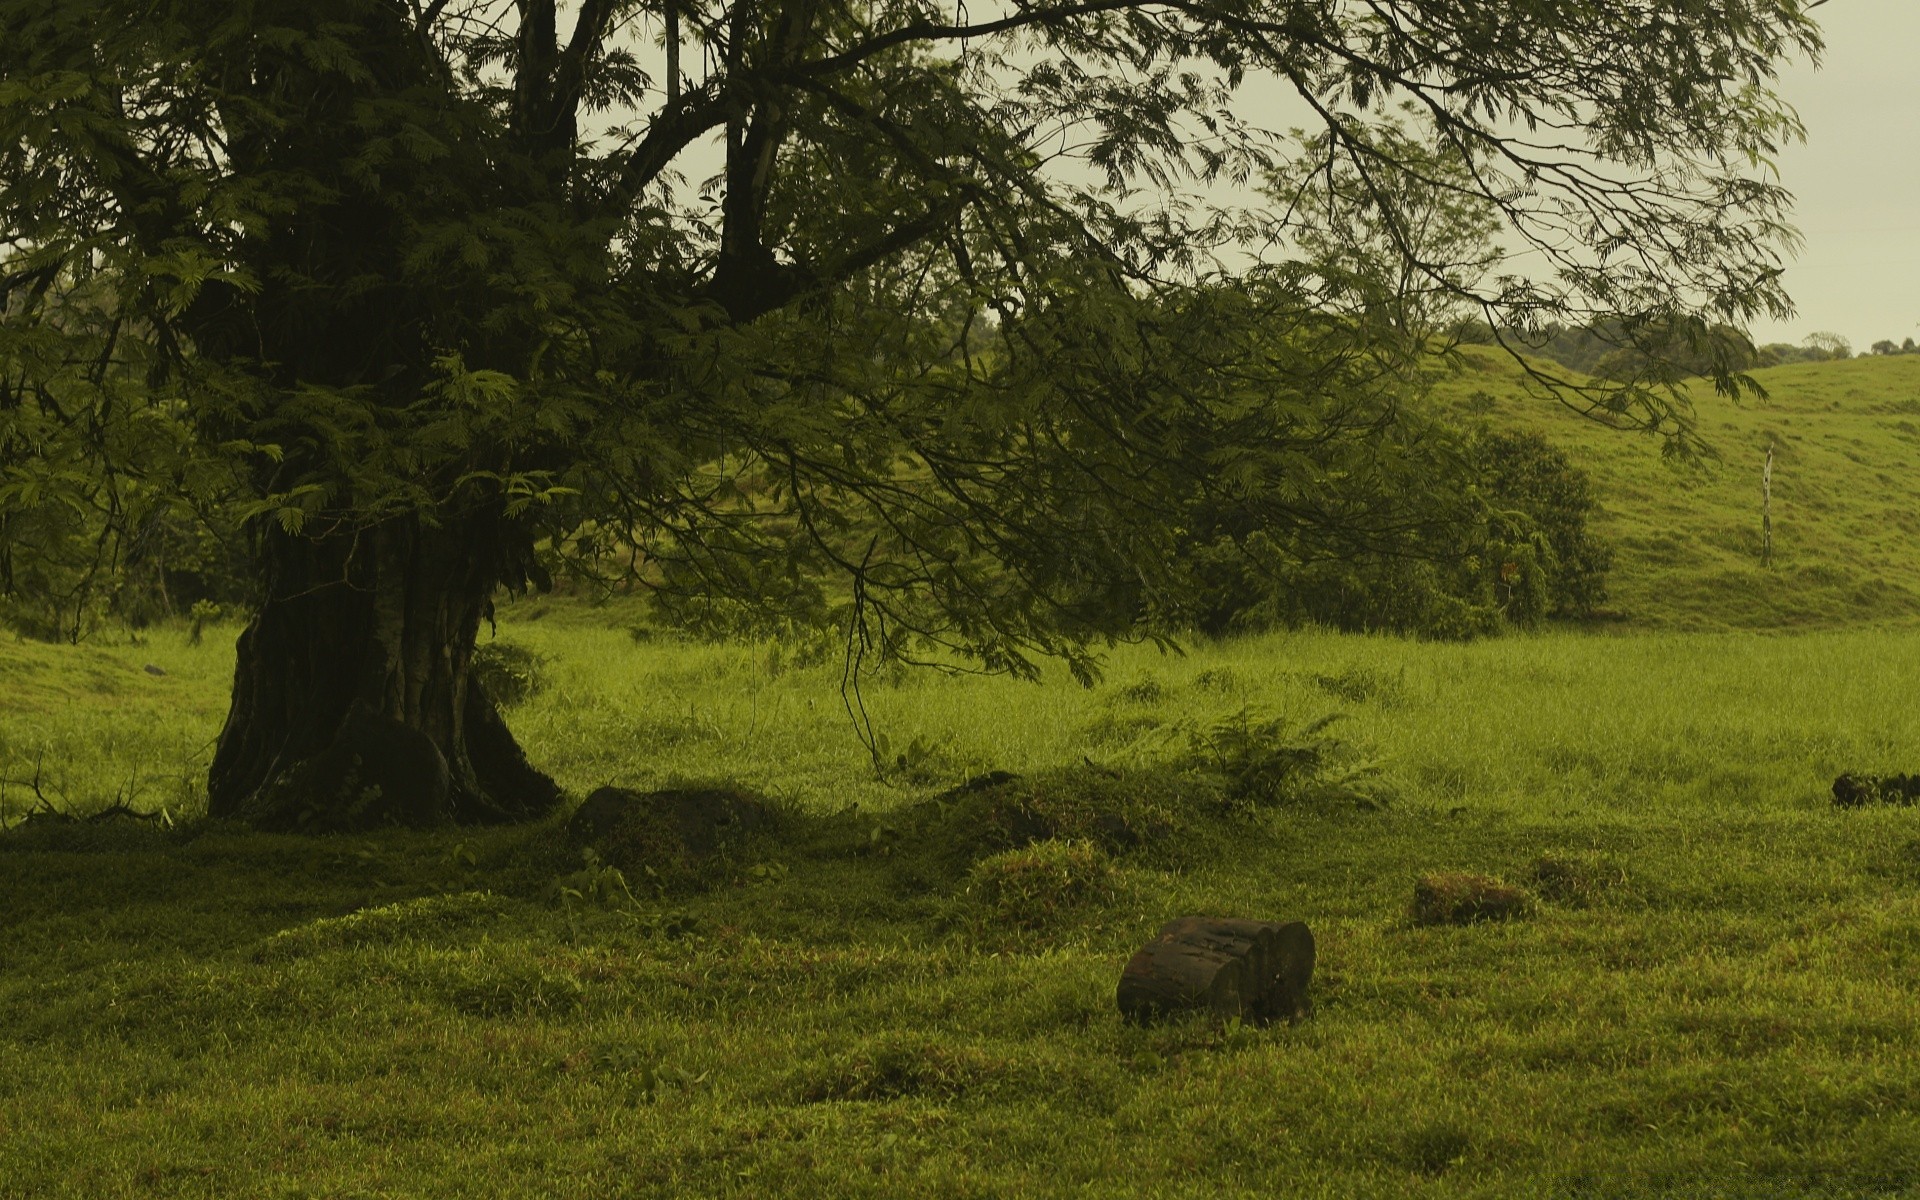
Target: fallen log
column 1257, row 971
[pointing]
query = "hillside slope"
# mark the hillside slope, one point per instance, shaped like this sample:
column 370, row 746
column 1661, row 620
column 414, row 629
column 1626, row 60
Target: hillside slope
column 1846, row 495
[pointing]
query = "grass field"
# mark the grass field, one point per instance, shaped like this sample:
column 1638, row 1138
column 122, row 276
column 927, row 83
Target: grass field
column 1721, row 1007
column 1846, row 500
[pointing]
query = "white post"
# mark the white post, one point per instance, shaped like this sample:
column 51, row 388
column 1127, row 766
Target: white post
column 1766, row 510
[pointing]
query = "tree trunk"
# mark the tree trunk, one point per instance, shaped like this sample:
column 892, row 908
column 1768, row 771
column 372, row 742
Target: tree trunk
column 353, row 701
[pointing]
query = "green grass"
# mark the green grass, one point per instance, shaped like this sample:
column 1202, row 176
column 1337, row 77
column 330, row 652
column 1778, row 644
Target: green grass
column 1846, row 501
column 1726, row 1012
column 1709, row 996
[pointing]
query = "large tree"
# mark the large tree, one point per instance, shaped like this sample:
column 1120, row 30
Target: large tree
column 759, row 293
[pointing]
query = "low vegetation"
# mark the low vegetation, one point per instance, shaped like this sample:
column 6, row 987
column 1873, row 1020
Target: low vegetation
column 906, row 988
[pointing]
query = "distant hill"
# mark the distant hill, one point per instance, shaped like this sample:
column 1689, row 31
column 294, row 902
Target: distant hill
column 1846, row 494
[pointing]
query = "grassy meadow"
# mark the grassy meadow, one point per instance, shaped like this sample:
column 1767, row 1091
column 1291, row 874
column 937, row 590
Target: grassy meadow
column 1711, row 994
column 1846, row 501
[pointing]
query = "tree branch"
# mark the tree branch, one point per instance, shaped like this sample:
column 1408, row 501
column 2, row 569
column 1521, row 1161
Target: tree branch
column 673, row 130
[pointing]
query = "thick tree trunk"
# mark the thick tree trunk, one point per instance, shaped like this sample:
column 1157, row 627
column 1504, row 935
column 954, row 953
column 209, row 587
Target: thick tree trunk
column 353, row 702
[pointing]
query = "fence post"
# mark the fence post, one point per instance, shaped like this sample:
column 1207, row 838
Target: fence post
column 1766, row 510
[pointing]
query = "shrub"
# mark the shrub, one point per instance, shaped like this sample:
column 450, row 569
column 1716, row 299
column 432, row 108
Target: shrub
column 1500, row 539
column 1262, row 762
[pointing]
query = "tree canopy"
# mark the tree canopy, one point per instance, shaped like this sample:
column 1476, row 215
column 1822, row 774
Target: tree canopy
column 929, row 316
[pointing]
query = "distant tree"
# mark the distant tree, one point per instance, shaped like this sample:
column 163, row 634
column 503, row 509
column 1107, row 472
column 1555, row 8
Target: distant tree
column 1907, row 346
column 1885, row 346
column 1831, row 345
column 1673, row 349
column 1775, row 354
column 377, row 260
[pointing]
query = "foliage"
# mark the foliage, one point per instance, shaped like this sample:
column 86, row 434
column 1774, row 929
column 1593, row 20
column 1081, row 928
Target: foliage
column 510, row 672
column 107, row 508
column 1266, row 761
column 1495, row 535
column 1541, row 504
column 1416, row 242
column 375, row 259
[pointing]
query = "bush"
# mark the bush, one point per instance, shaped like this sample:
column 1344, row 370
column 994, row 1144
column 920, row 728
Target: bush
column 1505, row 543
column 1542, row 502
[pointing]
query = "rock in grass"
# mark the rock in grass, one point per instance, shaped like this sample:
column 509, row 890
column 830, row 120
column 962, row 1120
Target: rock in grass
column 1257, row 971
column 1858, row 791
column 668, row 831
column 1458, row 898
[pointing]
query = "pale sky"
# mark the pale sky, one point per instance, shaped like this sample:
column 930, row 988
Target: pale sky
column 1856, row 181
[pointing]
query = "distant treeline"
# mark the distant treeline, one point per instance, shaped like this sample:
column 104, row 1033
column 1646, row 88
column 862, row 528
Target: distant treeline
column 1611, row 351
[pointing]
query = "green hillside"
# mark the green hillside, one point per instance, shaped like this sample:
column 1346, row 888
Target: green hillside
column 1846, row 499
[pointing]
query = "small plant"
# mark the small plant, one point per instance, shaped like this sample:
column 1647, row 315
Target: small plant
column 1357, row 685
column 595, row 883
column 509, row 673
column 1144, row 690
column 1269, row 761
column 922, row 761
column 1217, row 679
column 203, row 613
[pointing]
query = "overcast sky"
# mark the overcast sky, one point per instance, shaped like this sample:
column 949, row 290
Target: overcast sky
column 1856, row 181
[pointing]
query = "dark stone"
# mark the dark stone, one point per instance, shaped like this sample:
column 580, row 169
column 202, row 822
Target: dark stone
column 154, row 669
column 1856, row 791
column 667, row 831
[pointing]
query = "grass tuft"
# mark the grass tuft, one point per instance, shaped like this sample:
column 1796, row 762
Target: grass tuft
column 1461, row 898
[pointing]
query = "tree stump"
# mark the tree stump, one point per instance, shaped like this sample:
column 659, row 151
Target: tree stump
column 1257, row 971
